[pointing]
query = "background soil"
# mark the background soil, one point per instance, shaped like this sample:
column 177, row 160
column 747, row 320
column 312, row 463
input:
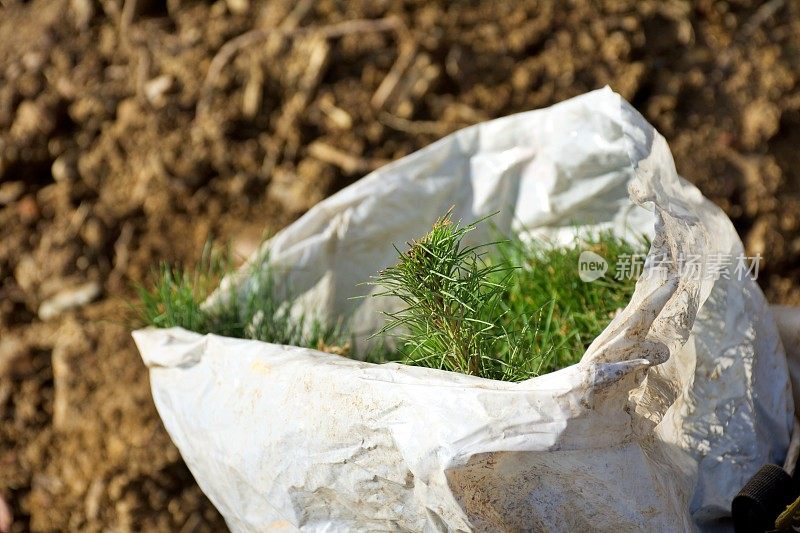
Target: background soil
column 118, row 149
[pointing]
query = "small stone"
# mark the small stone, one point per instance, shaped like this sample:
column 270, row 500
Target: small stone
column 82, row 11
column 10, row 191
column 32, row 118
column 156, row 88
column 93, row 498
column 28, row 209
column 26, row 274
column 6, row 518
column 11, row 349
column 252, row 96
column 68, row 299
column 93, row 233
column 33, row 61
column 64, row 169
column 763, row 237
column 116, row 448
column 238, row 7
column 760, row 122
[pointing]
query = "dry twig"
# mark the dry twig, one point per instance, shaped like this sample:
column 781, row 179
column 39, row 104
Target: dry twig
column 766, row 11
column 349, row 163
column 406, row 52
column 232, row 47
column 306, row 87
column 418, row 127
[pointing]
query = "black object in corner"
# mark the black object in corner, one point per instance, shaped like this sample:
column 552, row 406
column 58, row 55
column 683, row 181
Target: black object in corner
column 762, row 499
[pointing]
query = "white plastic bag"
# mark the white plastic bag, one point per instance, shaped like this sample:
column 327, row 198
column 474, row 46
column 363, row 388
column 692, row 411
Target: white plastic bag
column 682, row 398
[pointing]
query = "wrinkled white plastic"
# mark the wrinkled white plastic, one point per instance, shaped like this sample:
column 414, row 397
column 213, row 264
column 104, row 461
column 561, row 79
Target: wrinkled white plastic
column 682, row 398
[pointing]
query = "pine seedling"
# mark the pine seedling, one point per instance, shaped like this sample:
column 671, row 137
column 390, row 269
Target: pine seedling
column 453, row 316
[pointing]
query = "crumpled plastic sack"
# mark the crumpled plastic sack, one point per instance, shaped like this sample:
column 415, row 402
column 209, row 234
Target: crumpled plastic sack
column 672, row 408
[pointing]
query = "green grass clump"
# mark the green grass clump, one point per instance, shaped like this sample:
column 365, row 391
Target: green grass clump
column 569, row 312
column 507, row 311
column 262, row 313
